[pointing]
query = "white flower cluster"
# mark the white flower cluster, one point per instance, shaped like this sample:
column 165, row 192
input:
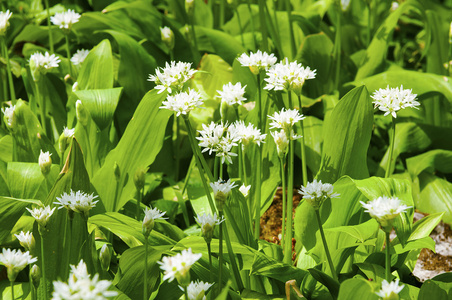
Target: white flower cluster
column 246, row 134
column 385, row 210
column 4, row 21
column 81, row 287
column 197, row 290
column 178, row 266
column 66, row 19
column 217, row 138
column 232, row 93
column 172, row 77
column 316, row 192
column 41, row 214
column 390, row 290
column 183, row 103
column 79, row 202
column 43, row 62
column 288, row 76
column 15, row 261
column 26, row 239
column 150, row 215
column 284, row 121
column 391, row 100
column 207, row 223
column 8, row 112
column 79, row 56
column 221, row 191
column 258, row 61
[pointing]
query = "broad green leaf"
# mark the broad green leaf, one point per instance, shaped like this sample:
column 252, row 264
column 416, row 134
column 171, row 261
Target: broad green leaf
column 425, row 242
column 97, row 68
column 326, row 280
column 215, row 73
column 6, row 148
column 101, row 104
column 313, row 140
column 21, row 290
column 425, row 226
column 431, row 161
column 373, row 272
column 347, row 134
column 430, row 290
column 137, row 148
column 357, row 288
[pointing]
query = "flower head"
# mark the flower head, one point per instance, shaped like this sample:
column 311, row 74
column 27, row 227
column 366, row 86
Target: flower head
column 150, row 215
column 219, row 139
column 41, row 214
column 172, row 77
column 26, row 239
column 42, row 63
column 285, row 119
column 45, row 162
column 4, row 21
column 288, row 76
column 246, row 134
column 221, row 190
column 281, row 141
column 385, row 210
column 167, row 37
column 316, row 192
column 178, row 266
column 232, row 93
column 15, row 261
column 244, row 189
column 258, row 61
column 79, row 202
column 65, row 20
column 390, row 290
column 197, row 290
column 79, row 56
column 65, row 138
column 391, row 100
column 207, row 223
column 10, row 118
column 81, row 286
column 183, row 103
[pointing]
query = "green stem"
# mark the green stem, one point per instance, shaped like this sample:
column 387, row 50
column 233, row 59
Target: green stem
column 138, row 210
column 220, row 175
column 240, row 153
column 304, row 166
column 215, row 167
column 257, row 188
column 235, row 269
column 252, row 24
column 49, row 26
column 220, row 256
column 12, row 290
column 171, row 54
column 325, row 246
column 42, row 106
column 186, row 292
column 68, row 244
column 288, row 241
column 292, row 38
column 337, row 48
column 222, row 10
column 145, row 283
column 241, row 29
column 9, row 74
column 43, row 265
column 275, row 16
column 209, row 251
column 196, row 55
column 391, row 149
column 115, row 200
column 263, row 24
column 177, row 147
column 284, row 200
column 68, row 53
column 244, row 167
column 289, row 96
column 387, row 258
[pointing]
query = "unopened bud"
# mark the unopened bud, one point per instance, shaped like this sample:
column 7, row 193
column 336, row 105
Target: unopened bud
column 9, row 116
column 35, row 274
column 189, row 7
column 207, row 232
column 105, row 257
column 167, row 37
column 117, row 172
column 81, row 113
column 45, row 162
column 139, row 178
column 148, row 225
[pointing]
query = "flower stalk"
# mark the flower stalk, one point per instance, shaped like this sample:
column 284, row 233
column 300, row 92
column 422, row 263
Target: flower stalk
column 8, row 72
column 68, row 53
column 145, row 283
column 288, row 240
column 391, row 149
column 304, row 167
column 387, row 257
column 325, row 245
column 257, row 193
column 43, row 268
column 284, row 200
column 49, row 27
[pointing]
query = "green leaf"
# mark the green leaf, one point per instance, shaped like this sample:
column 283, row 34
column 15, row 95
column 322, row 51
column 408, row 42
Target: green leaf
column 347, row 138
column 21, row 290
column 97, row 68
column 101, row 104
column 373, row 272
column 431, row 161
column 357, row 288
column 215, row 73
column 137, row 148
column 430, row 290
column 326, row 280
column 425, row 226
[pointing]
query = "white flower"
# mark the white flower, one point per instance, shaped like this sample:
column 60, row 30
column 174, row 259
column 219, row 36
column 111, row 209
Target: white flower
column 390, row 290
column 197, row 290
column 217, row 138
column 288, row 76
column 178, row 266
column 66, row 19
column 285, row 119
column 79, row 201
column 166, row 32
column 75, row 86
column 345, row 4
column 15, row 261
column 244, row 189
column 316, row 192
column 4, row 21
column 207, row 223
column 394, row 5
column 385, row 209
column 246, row 134
column 41, row 214
column 43, row 62
column 79, row 56
column 183, row 103
column 281, row 141
column 172, row 77
column 81, row 287
column 149, row 216
column 391, row 100
column 258, row 61
column 26, row 239
column 45, row 162
column 10, row 118
column 232, row 93
column 221, row 190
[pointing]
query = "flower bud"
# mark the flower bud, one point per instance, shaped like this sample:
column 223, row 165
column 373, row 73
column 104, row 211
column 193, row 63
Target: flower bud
column 117, row 172
column 167, row 37
column 81, row 113
column 4, row 17
column 139, row 179
column 148, row 225
column 35, row 275
column 207, row 232
column 189, row 7
column 281, row 141
column 45, row 162
column 9, row 116
column 105, row 257
column 65, row 139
